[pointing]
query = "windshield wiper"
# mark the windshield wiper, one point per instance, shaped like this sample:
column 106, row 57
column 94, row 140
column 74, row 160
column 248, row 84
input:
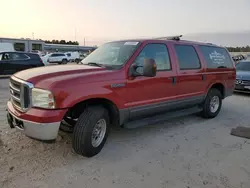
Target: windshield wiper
column 95, row 64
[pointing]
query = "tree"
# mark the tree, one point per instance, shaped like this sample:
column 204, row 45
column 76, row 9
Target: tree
column 61, row 42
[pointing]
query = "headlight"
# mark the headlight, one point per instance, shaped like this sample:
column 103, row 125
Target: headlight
column 42, row 98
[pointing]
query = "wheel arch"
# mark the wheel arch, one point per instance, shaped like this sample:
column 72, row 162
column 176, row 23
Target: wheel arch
column 111, row 107
column 219, row 86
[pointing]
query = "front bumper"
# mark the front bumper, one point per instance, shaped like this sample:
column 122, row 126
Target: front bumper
column 242, row 88
column 40, row 130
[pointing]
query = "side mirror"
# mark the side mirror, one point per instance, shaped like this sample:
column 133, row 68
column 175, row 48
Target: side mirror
column 148, row 69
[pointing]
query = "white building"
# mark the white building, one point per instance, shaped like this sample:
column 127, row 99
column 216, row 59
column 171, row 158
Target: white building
column 29, row 45
column 24, row 45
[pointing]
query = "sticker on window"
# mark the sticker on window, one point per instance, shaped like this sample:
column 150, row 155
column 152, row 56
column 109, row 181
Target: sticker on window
column 131, row 43
column 217, row 58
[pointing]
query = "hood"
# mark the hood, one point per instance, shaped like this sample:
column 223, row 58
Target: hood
column 243, row 75
column 36, row 75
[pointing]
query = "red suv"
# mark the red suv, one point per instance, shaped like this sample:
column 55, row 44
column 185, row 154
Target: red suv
column 123, row 83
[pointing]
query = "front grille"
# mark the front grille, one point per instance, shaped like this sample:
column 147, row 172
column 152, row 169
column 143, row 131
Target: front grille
column 242, row 82
column 20, row 93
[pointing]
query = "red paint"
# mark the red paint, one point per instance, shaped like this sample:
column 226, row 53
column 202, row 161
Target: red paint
column 72, row 84
column 38, row 115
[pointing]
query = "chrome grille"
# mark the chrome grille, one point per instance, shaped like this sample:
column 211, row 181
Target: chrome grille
column 20, row 93
column 242, row 82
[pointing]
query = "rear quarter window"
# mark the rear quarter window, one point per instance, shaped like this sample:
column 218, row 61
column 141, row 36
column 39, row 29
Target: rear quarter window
column 33, row 56
column 216, row 57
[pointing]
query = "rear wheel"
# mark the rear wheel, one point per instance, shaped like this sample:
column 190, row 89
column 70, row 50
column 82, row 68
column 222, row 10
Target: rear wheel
column 212, row 104
column 91, row 131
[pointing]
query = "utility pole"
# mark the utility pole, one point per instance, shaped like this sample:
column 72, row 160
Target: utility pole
column 75, row 34
column 33, row 35
column 84, row 41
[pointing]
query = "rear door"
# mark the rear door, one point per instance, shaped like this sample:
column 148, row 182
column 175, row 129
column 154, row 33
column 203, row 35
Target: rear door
column 152, row 95
column 21, row 61
column 190, row 75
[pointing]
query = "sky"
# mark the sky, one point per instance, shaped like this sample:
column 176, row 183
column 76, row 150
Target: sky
column 99, row 21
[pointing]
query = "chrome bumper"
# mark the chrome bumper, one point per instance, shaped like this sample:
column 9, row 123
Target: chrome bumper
column 39, row 131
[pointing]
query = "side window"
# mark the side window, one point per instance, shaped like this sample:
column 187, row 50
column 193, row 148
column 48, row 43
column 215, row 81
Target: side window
column 158, row 52
column 187, row 57
column 17, row 56
column 6, row 56
column 216, row 57
column 53, row 55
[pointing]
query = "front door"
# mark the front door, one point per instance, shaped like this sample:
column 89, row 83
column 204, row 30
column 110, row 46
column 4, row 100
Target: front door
column 152, row 95
column 7, row 67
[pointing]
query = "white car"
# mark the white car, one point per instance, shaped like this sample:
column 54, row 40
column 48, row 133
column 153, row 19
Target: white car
column 45, row 59
column 73, row 56
column 59, row 58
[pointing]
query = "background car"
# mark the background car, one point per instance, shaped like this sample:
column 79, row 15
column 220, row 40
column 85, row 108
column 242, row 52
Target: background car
column 73, row 56
column 242, row 82
column 59, row 58
column 12, row 62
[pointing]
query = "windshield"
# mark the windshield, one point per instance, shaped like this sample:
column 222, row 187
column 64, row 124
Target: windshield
column 114, row 54
column 243, row 66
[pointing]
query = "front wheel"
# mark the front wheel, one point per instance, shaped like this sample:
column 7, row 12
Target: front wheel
column 91, row 131
column 212, row 104
column 64, row 61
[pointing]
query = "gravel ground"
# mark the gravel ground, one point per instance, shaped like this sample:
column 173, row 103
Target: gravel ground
column 187, row 152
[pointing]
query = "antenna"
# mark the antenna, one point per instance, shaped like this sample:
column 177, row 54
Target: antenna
column 175, row 37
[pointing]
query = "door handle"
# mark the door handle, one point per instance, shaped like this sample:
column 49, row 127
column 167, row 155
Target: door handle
column 203, row 77
column 173, row 80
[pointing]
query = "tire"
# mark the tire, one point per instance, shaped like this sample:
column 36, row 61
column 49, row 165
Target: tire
column 64, row 61
column 208, row 111
column 84, row 129
column 77, row 61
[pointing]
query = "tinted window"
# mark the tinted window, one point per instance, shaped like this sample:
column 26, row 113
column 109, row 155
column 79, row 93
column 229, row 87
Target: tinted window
column 187, row 57
column 59, row 55
column 17, row 56
column 14, row 56
column 33, row 56
column 216, row 57
column 19, row 46
column 158, row 52
column 243, row 66
column 36, row 46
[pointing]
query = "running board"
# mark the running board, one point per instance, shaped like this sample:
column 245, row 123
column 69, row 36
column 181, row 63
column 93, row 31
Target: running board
column 161, row 118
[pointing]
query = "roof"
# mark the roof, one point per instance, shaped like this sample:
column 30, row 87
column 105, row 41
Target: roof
column 22, row 39
column 66, row 45
column 168, row 40
column 18, row 52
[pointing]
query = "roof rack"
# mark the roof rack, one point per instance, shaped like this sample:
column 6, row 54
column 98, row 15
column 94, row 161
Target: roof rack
column 176, row 37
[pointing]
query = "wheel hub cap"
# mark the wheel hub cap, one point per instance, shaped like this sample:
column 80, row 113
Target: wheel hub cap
column 214, row 104
column 98, row 132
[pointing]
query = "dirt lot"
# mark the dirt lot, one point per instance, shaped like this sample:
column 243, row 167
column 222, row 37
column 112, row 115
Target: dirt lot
column 188, row 152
